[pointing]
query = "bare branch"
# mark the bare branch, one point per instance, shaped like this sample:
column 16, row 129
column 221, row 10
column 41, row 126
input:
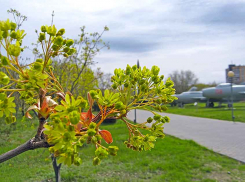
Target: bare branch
column 31, row 144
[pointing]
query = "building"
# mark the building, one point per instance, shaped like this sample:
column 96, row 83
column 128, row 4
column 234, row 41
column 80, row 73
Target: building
column 239, row 74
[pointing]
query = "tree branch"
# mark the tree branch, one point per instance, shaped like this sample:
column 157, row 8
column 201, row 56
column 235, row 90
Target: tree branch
column 31, row 144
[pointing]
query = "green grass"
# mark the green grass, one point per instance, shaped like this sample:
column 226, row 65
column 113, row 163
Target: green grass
column 222, row 113
column 171, row 160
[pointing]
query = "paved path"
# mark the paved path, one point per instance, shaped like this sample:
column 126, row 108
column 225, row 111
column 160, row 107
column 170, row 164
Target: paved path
column 224, row 137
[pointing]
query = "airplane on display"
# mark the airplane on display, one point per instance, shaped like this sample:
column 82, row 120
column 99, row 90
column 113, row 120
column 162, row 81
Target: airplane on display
column 188, row 97
column 220, row 94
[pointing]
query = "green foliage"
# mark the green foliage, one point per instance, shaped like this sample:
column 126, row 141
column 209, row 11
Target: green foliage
column 7, row 107
column 67, row 127
column 4, row 79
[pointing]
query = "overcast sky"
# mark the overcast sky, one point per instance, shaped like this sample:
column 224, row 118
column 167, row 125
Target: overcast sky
column 203, row 36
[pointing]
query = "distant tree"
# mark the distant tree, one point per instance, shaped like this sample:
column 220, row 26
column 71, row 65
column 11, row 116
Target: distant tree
column 201, row 86
column 104, row 80
column 67, row 73
column 183, row 80
column 86, row 48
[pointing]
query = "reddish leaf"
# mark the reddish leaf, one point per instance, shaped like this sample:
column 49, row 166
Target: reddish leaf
column 89, row 114
column 47, row 106
column 90, row 100
column 106, row 135
column 79, row 126
column 87, row 117
column 28, row 115
column 33, row 107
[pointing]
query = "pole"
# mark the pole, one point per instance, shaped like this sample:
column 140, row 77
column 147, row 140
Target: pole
column 232, row 111
column 138, row 65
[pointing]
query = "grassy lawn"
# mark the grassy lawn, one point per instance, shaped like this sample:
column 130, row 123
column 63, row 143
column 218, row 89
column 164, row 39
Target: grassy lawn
column 222, row 113
column 171, row 160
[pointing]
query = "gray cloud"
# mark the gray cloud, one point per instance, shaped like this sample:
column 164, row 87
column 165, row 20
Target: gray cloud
column 129, row 44
column 182, row 34
column 226, row 14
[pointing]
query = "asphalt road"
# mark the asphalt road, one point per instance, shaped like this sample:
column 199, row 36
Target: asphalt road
column 224, row 137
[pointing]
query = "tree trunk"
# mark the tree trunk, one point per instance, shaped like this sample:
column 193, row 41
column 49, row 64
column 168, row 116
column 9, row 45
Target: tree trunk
column 56, row 168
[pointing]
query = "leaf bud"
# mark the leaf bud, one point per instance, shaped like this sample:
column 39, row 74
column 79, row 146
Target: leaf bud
column 98, row 137
column 71, row 51
column 55, row 47
column 162, row 120
column 155, row 70
column 66, row 55
column 66, row 49
column 94, row 140
column 74, row 117
column 96, row 161
column 51, row 30
column 114, row 86
column 39, row 60
column 12, row 25
column 41, row 37
column 157, row 117
column 106, row 28
column 69, row 42
column 169, row 83
column 61, row 32
column 14, row 50
column 123, row 111
column 119, row 105
column 112, row 150
column 5, row 34
column 91, row 132
column 92, row 125
column 10, row 119
column 5, row 60
column 93, row 94
column 101, row 153
column 167, row 119
column 6, row 25
column 134, row 67
column 149, row 120
column 4, row 79
column 159, row 101
column 70, row 128
column 54, row 54
column 13, row 35
column 77, row 161
column 37, row 66
column 126, row 85
column 43, row 29
column 128, row 70
column 164, row 108
column 58, row 41
column 67, row 137
column 57, row 120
